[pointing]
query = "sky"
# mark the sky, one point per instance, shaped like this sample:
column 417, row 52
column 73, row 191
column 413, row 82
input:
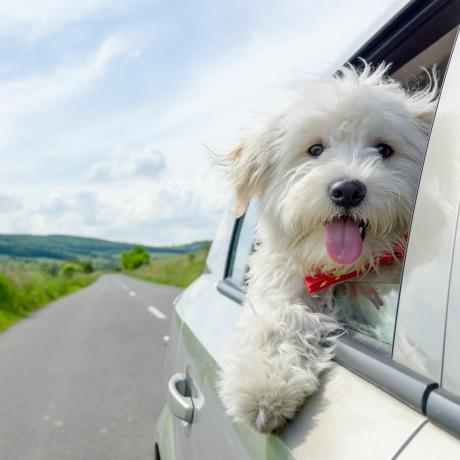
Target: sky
column 108, row 108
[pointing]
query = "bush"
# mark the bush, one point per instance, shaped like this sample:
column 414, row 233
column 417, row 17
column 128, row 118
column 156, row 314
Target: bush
column 26, row 288
column 69, row 269
column 7, row 294
column 133, row 259
column 87, row 266
column 51, row 268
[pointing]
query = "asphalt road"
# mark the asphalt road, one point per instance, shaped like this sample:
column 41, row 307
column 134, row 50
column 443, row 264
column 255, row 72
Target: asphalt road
column 82, row 377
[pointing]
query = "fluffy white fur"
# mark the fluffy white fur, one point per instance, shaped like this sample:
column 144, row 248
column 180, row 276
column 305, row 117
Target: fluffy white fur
column 284, row 338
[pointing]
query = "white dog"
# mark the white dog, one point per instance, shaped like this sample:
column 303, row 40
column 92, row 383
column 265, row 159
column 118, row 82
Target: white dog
column 335, row 174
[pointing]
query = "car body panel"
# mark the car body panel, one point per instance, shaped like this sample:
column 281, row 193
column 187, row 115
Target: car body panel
column 345, row 411
column 164, row 435
column 420, row 326
column 431, row 442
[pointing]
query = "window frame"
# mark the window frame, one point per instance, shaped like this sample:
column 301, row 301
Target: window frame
column 226, row 285
column 237, row 226
column 367, row 360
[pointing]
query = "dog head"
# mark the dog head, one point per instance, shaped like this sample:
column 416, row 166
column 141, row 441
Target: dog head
column 336, row 170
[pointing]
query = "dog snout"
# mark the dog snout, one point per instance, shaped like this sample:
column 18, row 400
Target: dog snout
column 347, row 193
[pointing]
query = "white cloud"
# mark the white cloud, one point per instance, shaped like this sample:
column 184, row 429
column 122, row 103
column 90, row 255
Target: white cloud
column 9, row 204
column 166, row 211
column 219, row 97
column 148, row 164
column 33, row 96
column 32, row 19
column 41, row 90
column 67, row 209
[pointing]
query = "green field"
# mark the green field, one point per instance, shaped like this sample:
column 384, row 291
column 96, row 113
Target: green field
column 176, row 270
column 24, row 287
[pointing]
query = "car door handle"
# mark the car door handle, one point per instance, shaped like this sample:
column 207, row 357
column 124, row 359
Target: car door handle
column 180, row 398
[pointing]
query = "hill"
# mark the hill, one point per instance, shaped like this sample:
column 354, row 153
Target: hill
column 63, row 247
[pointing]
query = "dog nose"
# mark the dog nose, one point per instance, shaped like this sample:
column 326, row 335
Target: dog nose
column 347, row 193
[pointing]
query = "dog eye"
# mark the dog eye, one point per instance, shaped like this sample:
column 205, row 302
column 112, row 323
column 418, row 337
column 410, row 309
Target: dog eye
column 384, row 150
column 316, row 150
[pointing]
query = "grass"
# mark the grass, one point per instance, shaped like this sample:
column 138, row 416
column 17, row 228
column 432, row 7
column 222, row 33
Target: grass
column 179, row 270
column 27, row 287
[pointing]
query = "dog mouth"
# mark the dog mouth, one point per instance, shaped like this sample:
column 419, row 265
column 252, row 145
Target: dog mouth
column 344, row 238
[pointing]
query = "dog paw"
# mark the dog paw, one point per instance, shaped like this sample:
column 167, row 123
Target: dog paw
column 267, row 420
column 265, row 398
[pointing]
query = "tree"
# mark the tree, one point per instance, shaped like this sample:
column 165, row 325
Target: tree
column 68, row 269
column 87, row 266
column 134, row 258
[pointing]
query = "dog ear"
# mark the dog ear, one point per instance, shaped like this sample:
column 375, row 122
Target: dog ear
column 423, row 109
column 248, row 166
column 241, row 166
column 423, row 102
column 240, row 172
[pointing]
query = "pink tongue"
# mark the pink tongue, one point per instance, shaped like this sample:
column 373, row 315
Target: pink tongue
column 343, row 240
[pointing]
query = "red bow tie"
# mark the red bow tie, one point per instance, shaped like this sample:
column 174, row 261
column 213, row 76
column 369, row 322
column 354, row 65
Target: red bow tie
column 321, row 280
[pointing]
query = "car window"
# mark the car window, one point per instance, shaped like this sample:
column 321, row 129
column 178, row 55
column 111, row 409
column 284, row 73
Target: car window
column 371, row 308
column 242, row 246
column 451, row 369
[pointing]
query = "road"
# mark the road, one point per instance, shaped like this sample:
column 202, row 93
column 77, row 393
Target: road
column 82, row 377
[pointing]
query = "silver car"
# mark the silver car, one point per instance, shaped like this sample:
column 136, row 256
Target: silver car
column 395, row 391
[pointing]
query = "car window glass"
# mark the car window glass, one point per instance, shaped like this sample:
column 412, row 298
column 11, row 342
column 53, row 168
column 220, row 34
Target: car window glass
column 242, row 245
column 451, row 369
column 371, row 308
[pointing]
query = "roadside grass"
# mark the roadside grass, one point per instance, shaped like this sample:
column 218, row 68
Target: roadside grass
column 25, row 288
column 178, row 270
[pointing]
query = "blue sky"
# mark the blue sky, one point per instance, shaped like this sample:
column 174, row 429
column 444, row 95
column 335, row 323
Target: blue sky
column 106, row 106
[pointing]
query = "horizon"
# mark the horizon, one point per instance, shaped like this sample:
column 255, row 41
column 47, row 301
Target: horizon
column 131, row 243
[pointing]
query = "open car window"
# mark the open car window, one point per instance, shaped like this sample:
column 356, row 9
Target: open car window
column 367, row 309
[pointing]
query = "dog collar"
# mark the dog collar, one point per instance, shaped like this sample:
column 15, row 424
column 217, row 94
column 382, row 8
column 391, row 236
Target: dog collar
column 321, row 280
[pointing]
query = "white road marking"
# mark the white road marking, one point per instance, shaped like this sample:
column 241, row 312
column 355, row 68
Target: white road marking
column 132, row 293
column 156, row 312
column 123, row 285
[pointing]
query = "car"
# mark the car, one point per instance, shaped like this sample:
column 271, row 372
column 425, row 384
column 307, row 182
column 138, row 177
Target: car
column 395, row 390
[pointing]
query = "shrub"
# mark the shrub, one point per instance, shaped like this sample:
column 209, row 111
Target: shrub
column 87, row 266
column 7, row 294
column 134, row 258
column 28, row 287
column 69, row 269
